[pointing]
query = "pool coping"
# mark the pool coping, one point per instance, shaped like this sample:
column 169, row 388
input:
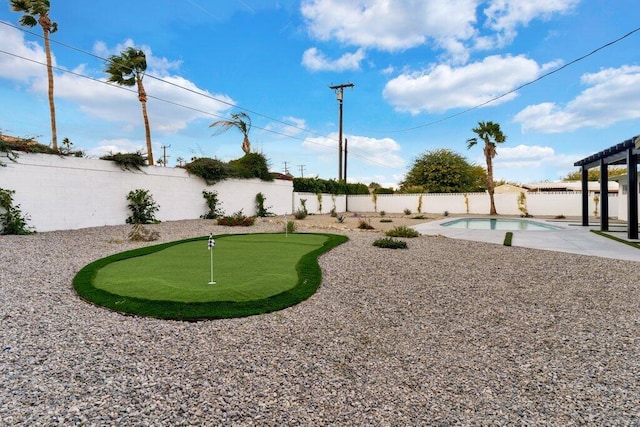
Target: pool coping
column 571, row 238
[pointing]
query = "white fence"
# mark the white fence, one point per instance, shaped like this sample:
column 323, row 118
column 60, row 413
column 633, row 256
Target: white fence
column 59, row 193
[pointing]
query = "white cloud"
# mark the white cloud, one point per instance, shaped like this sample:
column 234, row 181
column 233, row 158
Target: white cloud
column 444, row 87
column 361, row 149
column 613, row 96
column 387, row 25
column 297, row 126
column 315, row 60
column 13, row 66
column 504, row 16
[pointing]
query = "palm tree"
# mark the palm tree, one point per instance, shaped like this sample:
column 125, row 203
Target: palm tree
column 37, row 12
column 242, row 122
column 128, row 69
column 491, row 134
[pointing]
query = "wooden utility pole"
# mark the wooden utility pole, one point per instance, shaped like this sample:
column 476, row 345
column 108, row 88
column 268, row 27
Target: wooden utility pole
column 339, row 89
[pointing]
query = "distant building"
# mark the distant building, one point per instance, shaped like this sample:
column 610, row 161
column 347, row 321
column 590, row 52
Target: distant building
column 560, row 186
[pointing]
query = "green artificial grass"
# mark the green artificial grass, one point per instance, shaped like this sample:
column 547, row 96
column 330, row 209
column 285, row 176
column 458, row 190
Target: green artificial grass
column 617, row 239
column 254, row 273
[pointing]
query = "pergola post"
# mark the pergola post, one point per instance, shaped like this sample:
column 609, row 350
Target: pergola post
column 585, row 196
column 604, row 196
column 632, row 194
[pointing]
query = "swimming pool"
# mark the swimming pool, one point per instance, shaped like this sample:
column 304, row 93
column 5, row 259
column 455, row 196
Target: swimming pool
column 499, row 224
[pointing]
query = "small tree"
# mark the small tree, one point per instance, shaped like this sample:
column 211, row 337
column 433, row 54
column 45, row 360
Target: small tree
column 142, row 207
column 261, row 210
column 491, row 135
column 212, row 203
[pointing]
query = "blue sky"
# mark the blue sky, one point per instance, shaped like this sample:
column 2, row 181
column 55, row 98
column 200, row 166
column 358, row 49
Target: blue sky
column 417, row 67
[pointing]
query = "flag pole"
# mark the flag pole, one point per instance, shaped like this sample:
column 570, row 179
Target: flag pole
column 211, row 244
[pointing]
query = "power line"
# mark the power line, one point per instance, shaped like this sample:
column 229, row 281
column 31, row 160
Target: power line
column 594, row 51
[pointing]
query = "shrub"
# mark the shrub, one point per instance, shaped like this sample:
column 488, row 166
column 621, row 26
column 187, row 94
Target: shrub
column 402, row 231
column 212, row 203
column 142, row 207
column 364, row 224
column 12, row 220
column 261, row 211
column 237, row 219
column 300, row 214
column 127, row 161
column 508, row 238
column 251, row 165
column 333, row 212
column 419, row 217
column 383, row 213
column 390, row 243
column 407, row 211
column 386, row 220
column 290, row 227
column 211, row 170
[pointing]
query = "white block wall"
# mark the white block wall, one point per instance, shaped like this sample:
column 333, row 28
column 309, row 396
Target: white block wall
column 61, row 193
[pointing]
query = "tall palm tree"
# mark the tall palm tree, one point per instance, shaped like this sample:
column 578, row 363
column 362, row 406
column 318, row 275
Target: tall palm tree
column 37, row 12
column 128, row 69
column 491, row 135
column 242, row 122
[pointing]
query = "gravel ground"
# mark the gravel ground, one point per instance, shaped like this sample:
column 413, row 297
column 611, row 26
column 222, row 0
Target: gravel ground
column 448, row 332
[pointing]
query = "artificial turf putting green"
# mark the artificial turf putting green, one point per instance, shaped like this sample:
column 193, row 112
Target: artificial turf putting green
column 254, row 273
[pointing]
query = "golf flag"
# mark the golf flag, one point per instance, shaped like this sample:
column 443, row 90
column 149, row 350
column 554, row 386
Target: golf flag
column 212, row 242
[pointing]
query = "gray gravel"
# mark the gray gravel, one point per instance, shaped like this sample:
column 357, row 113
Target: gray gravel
column 448, row 332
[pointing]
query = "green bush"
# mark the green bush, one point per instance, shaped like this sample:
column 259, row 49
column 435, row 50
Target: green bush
column 390, row 243
column 142, row 207
column 211, row 170
column 300, row 214
column 261, row 211
column 12, row 220
column 127, row 161
column 386, row 220
column 237, row 219
column 212, row 203
column 290, row 227
column 407, row 211
column 251, row 165
column 402, row 231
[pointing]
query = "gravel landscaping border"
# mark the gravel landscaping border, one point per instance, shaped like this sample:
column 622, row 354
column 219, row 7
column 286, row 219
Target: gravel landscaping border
column 446, row 332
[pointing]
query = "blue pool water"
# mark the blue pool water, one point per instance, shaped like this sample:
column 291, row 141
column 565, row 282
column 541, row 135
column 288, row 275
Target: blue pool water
column 499, row 224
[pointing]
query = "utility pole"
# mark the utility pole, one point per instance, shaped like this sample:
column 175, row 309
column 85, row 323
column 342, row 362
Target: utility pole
column 164, row 154
column 301, row 170
column 346, row 185
column 286, row 170
column 339, row 89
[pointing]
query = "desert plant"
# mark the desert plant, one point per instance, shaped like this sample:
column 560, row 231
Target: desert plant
column 596, row 200
column 261, row 211
column 300, row 214
column 508, row 237
column 290, row 227
column 522, row 204
column 237, row 219
column 319, row 196
column 126, row 161
column 142, row 207
column 466, row 202
column 420, row 204
column 340, row 219
column 386, row 220
column 390, row 243
column 12, row 221
column 382, row 214
column 303, row 204
column 419, row 217
column 333, row 212
column 364, row 224
column 407, row 211
column 402, row 231
column 212, row 201
column 374, row 198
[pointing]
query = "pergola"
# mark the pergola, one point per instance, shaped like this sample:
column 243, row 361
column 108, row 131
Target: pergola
column 626, row 152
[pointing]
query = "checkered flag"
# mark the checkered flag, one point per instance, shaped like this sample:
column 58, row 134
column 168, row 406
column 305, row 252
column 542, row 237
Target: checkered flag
column 212, row 242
